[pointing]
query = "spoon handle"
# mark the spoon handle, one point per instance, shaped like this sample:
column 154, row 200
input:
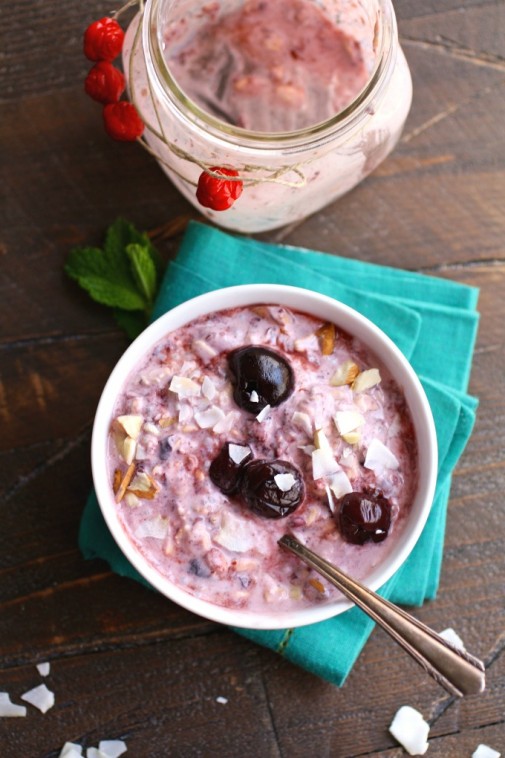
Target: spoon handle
column 456, row 670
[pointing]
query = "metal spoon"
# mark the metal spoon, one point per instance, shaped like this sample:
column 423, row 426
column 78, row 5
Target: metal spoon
column 456, row 670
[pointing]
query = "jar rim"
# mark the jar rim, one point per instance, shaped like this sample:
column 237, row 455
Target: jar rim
column 169, row 91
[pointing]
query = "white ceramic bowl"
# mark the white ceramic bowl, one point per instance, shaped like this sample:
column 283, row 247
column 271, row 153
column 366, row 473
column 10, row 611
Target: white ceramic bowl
column 329, row 310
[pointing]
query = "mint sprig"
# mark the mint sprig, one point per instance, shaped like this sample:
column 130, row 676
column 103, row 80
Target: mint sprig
column 123, row 275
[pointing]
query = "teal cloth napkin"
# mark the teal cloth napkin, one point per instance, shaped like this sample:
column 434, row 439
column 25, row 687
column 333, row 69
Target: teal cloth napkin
column 433, row 321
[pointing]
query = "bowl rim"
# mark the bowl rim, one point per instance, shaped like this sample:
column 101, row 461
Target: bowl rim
column 322, row 306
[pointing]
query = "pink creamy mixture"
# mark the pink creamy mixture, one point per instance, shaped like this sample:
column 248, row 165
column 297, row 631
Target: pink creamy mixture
column 211, row 544
column 272, row 66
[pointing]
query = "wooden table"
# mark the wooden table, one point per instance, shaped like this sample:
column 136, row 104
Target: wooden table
column 127, row 663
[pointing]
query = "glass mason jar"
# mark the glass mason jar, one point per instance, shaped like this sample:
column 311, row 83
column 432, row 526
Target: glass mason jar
column 286, row 175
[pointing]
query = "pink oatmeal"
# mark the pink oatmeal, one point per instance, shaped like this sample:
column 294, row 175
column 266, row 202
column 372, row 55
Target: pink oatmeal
column 338, row 426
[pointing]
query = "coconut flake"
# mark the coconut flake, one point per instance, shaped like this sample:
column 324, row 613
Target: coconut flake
column 331, row 499
column 303, row 421
column 348, row 421
column 155, row 528
column 238, row 452
column 484, row 751
column 323, row 464
column 227, row 423
column 284, row 481
column 262, row 415
column 151, row 428
column 222, row 700
column 184, row 387
column 71, row 750
column 254, row 397
column 339, row 483
column 410, row 730
column 450, row 636
column 94, row 752
column 203, row 350
column 112, row 748
column 40, row 697
column 235, row 534
column 208, row 388
column 8, row 709
column 210, row 417
column 380, row 457
column 43, row 668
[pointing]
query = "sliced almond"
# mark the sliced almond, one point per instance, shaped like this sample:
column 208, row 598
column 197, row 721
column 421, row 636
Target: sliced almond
column 346, row 373
column 143, row 486
column 131, row 425
column 326, row 337
column 317, row 585
column 366, row 380
column 116, row 482
column 204, row 350
column 125, row 482
column 166, row 421
column 261, row 311
column 352, row 438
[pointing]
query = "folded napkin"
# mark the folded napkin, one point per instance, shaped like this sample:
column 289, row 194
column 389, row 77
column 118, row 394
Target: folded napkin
column 434, row 323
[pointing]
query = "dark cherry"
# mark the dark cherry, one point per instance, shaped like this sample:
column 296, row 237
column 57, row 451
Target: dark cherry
column 164, row 449
column 364, row 517
column 223, row 470
column 263, row 371
column 261, row 493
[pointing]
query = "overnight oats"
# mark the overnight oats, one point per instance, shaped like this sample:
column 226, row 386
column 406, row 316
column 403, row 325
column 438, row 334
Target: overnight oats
column 253, row 422
column 299, row 99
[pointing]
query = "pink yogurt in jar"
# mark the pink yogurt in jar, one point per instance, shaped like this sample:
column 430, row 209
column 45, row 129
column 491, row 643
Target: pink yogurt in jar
column 302, row 98
column 323, row 418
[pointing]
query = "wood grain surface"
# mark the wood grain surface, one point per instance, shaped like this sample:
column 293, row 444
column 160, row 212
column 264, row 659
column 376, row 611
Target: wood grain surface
column 125, row 663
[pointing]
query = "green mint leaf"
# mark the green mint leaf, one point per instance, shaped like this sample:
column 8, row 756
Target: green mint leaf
column 132, row 322
column 143, row 269
column 106, row 276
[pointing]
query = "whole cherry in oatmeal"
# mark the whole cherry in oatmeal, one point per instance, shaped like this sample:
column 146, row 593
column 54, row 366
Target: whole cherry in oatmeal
column 212, row 460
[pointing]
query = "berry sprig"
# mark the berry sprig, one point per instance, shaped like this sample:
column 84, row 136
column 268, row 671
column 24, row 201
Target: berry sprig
column 103, row 41
column 218, row 194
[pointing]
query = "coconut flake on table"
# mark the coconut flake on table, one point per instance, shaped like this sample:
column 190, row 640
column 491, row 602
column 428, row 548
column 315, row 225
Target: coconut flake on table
column 284, row 481
column 453, row 638
column 71, row 750
column 304, row 422
column 484, row 751
column 184, row 387
column 210, row 417
column 380, row 457
column 40, row 697
column 262, row 415
column 43, row 668
column 8, row 709
column 410, row 730
column 237, row 453
column 348, row 421
column 112, row 748
column 222, row 700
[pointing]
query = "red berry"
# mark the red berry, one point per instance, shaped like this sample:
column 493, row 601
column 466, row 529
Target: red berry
column 104, row 83
column 122, row 121
column 218, row 194
column 103, row 40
